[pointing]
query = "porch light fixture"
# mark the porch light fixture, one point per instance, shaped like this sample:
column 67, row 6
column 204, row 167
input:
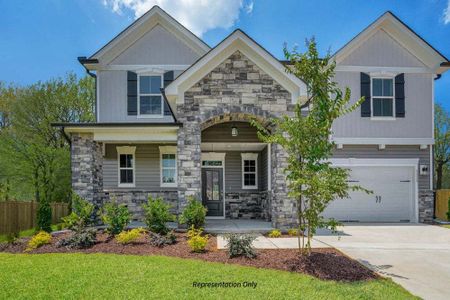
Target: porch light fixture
column 234, row 131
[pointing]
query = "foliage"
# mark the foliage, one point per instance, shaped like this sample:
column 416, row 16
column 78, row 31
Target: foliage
column 81, row 215
column 441, row 146
column 194, row 214
column 116, row 217
column 40, row 239
column 274, row 233
column 312, row 180
column 131, row 236
column 12, row 237
column 161, row 240
column 198, row 243
column 240, row 245
column 34, row 156
column 80, row 239
column 44, row 216
column 292, row 232
column 157, row 214
column 193, row 231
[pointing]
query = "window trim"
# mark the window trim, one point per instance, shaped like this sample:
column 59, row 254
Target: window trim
column 126, row 150
column 382, row 118
column 167, row 150
column 139, row 115
column 249, row 156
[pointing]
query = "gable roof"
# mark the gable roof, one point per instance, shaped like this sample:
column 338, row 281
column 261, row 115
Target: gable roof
column 139, row 28
column 402, row 34
column 236, row 41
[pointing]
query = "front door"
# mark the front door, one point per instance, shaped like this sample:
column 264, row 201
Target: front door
column 212, row 189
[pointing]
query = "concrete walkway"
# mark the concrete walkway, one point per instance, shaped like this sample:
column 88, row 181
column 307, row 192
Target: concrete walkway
column 237, row 226
column 263, row 242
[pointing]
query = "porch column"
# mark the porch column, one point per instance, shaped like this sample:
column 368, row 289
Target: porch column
column 189, row 162
column 283, row 208
column 87, row 168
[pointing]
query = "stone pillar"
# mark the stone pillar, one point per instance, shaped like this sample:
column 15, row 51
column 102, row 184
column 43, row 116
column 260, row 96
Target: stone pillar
column 87, row 168
column 283, row 208
column 426, row 206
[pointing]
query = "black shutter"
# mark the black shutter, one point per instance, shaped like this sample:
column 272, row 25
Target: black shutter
column 168, row 78
column 132, row 93
column 365, row 92
column 400, row 95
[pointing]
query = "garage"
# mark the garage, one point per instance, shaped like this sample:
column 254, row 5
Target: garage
column 393, row 197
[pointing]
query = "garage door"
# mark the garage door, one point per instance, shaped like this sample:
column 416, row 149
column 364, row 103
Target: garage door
column 392, row 199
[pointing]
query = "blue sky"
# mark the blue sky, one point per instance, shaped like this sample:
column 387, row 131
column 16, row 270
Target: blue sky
column 41, row 39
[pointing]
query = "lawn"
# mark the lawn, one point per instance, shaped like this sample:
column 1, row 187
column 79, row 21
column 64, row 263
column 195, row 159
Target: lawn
column 446, row 226
column 55, row 276
column 25, row 233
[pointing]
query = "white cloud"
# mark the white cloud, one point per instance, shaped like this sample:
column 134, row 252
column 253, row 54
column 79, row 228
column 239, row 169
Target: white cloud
column 199, row 16
column 447, row 13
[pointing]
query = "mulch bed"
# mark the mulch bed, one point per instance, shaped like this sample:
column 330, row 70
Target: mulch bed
column 326, row 263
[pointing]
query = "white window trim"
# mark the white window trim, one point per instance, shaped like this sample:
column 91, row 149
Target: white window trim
column 126, row 150
column 382, row 76
column 139, row 115
column 250, row 156
column 168, row 150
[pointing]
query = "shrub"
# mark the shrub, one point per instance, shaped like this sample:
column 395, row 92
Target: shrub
column 12, row 237
column 194, row 231
column 194, row 214
column 38, row 240
column 293, row 232
column 116, row 217
column 161, row 240
column 44, row 216
column 81, row 215
column 157, row 214
column 131, row 236
column 198, row 243
column 240, row 245
column 275, row 233
column 83, row 238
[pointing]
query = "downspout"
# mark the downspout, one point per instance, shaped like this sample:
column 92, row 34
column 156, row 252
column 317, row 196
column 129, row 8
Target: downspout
column 82, row 60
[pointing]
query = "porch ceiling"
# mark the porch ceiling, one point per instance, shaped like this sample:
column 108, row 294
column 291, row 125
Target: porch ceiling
column 214, row 147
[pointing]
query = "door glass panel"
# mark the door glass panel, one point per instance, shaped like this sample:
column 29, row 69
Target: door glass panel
column 208, row 185
column 216, row 187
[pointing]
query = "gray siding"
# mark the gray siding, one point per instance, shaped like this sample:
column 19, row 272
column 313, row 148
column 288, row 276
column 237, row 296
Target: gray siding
column 147, row 168
column 371, row 151
column 157, row 47
column 222, row 133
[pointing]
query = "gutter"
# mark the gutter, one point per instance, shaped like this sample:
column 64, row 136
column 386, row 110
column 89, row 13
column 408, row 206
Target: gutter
column 163, row 93
column 66, row 137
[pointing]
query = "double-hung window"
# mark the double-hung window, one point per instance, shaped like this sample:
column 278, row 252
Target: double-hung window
column 150, row 98
column 126, row 163
column 383, row 98
column 168, row 166
column 249, row 170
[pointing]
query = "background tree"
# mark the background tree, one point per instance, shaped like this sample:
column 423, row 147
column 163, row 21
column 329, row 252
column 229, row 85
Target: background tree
column 312, row 181
column 442, row 144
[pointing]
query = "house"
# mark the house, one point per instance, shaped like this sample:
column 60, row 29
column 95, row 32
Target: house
column 172, row 120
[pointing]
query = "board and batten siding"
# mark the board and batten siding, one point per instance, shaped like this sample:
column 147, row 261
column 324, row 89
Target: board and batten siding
column 390, row 152
column 147, row 164
column 221, row 133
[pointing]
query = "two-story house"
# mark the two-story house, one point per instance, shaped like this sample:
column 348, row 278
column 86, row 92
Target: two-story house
column 172, row 120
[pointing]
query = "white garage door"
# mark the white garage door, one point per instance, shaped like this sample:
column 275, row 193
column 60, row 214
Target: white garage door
column 392, row 199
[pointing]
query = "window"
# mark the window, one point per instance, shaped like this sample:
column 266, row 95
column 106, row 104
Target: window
column 126, row 162
column 249, row 170
column 150, row 98
column 383, row 97
column 168, row 166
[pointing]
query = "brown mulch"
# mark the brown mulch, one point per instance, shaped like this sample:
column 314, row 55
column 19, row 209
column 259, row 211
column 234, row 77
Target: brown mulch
column 325, row 263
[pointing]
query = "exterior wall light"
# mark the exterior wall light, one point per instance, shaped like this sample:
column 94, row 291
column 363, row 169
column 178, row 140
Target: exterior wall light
column 234, row 131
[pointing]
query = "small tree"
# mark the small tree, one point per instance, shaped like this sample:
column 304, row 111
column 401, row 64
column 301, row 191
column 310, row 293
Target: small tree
column 312, row 181
column 442, row 143
column 44, row 216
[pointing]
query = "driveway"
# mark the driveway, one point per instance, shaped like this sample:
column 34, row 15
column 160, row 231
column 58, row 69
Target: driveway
column 415, row 256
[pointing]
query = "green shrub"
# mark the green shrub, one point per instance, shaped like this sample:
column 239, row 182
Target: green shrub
column 161, row 240
column 131, row 236
column 157, row 214
column 198, row 243
column 44, row 216
column 194, row 231
column 81, row 215
column 194, row 214
column 275, row 233
column 38, row 240
column 293, row 232
column 12, row 237
column 83, row 238
column 116, row 217
column 240, row 245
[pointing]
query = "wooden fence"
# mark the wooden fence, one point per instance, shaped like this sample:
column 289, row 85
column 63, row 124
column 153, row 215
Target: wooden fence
column 16, row 215
column 442, row 204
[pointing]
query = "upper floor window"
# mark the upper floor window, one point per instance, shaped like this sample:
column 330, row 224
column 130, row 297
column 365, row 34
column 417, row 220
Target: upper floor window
column 383, row 97
column 149, row 95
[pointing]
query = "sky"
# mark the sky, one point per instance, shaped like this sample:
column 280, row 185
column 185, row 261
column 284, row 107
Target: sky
column 41, row 39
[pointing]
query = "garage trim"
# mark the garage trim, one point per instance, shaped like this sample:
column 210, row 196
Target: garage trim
column 385, row 162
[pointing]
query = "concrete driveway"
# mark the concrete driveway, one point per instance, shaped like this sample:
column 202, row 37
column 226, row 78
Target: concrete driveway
column 415, row 256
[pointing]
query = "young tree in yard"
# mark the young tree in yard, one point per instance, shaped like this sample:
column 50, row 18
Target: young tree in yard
column 442, row 143
column 312, row 181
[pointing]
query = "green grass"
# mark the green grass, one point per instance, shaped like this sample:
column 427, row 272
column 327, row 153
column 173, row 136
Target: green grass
column 25, row 233
column 446, row 226
column 105, row 276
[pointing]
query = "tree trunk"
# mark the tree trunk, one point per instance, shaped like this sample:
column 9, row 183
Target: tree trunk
column 439, row 170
